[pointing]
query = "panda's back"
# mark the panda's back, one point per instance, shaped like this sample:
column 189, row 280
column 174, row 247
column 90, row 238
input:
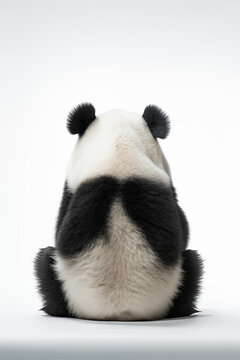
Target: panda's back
column 118, row 275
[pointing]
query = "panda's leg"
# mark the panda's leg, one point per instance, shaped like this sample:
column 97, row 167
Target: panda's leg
column 184, row 303
column 49, row 286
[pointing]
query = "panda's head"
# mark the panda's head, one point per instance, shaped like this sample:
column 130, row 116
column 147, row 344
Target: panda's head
column 118, row 143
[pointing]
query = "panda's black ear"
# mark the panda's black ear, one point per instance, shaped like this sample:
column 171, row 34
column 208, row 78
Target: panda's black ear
column 157, row 121
column 80, row 118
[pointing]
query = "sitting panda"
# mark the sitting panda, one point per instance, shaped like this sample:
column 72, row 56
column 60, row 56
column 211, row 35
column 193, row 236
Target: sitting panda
column 121, row 237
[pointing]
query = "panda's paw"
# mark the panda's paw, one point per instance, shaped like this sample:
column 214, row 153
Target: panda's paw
column 184, row 303
column 49, row 286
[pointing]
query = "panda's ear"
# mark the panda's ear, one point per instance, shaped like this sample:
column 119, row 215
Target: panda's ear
column 157, row 121
column 80, row 118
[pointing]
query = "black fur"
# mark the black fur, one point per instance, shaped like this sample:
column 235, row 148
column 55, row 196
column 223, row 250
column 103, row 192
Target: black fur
column 66, row 198
column 87, row 215
column 83, row 217
column 153, row 208
column 48, row 284
column 184, row 222
column 157, row 121
column 80, row 118
column 184, row 227
column 185, row 302
column 150, row 205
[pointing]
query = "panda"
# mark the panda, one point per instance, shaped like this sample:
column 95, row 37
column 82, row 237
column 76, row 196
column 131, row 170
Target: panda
column 121, row 237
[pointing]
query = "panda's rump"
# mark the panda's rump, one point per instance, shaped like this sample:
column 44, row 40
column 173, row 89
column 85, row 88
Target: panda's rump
column 120, row 277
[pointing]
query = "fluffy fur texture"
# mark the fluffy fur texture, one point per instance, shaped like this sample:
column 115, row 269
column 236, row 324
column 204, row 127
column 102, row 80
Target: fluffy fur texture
column 66, row 198
column 157, row 121
column 184, row 304
column 118, row 143
column 121, row 235
column 119, row 276
column 150, row 205
column 87, row 215
column 80, row 118
column 49, row 286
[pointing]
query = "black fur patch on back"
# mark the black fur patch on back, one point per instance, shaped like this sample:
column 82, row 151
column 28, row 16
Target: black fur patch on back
column 184, row 303
column 185, row 226
column 152, row 207
column 80, row 118
column 66, row 198
column 157, row 121
column 87, row 215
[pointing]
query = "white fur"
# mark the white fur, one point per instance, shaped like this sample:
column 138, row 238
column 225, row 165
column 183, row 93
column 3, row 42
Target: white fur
column 120, row 278
column 117, row 143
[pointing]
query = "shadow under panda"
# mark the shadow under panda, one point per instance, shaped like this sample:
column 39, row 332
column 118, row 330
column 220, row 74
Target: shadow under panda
column 121, row 237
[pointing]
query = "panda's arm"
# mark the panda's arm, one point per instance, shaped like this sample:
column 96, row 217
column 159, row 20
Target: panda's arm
column 185, row 227
column 86, row 218
column 152, row 207
column 65, row 201
column 183, row 221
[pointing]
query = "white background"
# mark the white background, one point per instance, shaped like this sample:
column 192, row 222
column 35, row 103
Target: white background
column 181, row 55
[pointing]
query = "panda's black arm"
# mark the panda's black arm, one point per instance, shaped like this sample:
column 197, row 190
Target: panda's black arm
column 86, row 218
column 185, row 227
column 65, row 201
column 183, row 221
